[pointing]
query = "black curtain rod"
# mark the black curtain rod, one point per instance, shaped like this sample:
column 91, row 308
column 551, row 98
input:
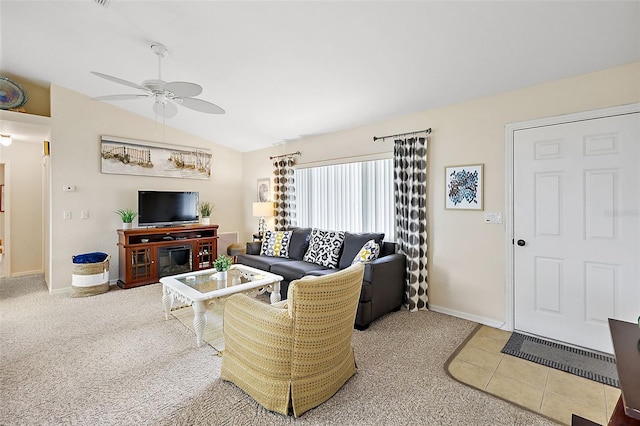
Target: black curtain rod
column 286, row 155
column 427, row 131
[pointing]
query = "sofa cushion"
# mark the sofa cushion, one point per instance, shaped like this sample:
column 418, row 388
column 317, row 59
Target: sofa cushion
column 294, row 269
column 352, row 245
column 388, row 248
column 299, row 242
column 276, row 243
column 322, row 272
column 261, row 262
column 369, row 251
column 325, row 247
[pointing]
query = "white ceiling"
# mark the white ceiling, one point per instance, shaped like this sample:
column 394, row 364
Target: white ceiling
column 283, row 70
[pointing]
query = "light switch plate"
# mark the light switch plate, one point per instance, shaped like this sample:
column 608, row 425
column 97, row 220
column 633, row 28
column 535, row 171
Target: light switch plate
column 494, row 218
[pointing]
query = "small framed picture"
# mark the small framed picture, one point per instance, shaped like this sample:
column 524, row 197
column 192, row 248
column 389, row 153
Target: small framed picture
column 463, row 187
column 264, row 190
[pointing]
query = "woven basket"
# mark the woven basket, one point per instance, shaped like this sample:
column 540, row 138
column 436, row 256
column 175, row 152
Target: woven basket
column 89, row 279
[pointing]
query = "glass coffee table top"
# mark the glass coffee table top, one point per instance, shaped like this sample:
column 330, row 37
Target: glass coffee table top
column 205, row 284
column 207, row 281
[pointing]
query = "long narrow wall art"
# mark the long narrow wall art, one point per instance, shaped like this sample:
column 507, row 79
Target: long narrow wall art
column 131, row 157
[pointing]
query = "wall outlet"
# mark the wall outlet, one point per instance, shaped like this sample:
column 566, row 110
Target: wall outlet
column 66, row 215
column 84, row 214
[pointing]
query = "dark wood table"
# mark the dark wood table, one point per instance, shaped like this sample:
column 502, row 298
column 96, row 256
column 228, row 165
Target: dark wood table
column 626, row 346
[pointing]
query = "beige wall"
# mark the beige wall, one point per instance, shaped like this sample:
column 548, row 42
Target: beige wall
column 23, row 207
column 77, row 123
column 466, row 256
column 471, row 132
column 3, row 263
column 37, row 95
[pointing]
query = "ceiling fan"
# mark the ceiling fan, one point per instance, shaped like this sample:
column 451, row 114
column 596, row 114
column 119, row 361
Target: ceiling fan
column 165, row 95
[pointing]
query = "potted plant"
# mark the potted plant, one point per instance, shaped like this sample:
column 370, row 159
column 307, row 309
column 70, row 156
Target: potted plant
column 127, row 216
column 205, row 212
column 222, row 265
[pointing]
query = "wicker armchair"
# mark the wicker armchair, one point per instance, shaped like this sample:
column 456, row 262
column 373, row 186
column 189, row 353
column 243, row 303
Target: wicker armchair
column 298, row 354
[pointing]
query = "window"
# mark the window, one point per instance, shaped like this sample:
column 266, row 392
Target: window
column 355, row 197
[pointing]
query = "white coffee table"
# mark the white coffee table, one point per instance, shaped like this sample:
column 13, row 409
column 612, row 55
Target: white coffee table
column 201, row 288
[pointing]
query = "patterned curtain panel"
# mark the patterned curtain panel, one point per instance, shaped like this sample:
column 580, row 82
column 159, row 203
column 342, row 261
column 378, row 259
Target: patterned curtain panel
column 410, row 182
column 284, row 196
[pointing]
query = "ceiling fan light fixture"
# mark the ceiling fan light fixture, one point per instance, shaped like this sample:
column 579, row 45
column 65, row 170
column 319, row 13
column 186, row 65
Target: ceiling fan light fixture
column 154, row 85
column 178, row 92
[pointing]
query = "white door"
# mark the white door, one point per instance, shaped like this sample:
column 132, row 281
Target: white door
column 577, row 229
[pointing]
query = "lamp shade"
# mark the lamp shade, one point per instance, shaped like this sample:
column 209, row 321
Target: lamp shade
column 5, row 140
column 263, row 209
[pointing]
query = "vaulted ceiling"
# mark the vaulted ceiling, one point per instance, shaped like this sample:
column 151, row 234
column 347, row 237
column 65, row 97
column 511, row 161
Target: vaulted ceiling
column 283, row 70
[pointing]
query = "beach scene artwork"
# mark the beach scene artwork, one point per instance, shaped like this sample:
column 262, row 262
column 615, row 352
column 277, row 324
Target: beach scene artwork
column 128, row 157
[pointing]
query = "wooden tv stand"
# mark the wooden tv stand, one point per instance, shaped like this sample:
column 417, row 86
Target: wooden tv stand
column 145, row 253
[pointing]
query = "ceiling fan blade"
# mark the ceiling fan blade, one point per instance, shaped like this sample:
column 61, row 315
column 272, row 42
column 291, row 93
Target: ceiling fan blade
column 200, row 105
column 183, row 88
column 166, row 109
column 118, row 80
column 120, row 97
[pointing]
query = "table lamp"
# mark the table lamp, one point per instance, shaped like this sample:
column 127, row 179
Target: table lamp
column 262, row 210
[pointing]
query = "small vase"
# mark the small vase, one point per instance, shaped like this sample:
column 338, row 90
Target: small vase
column 205, row 221
column 221, row 275
column 128, row 225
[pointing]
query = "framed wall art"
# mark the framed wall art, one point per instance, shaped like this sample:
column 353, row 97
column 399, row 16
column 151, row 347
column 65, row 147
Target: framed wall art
column 130, row 157
column 263, row 190
column 464, row 187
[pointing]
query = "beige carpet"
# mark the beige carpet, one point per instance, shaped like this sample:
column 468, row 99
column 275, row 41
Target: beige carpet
column 212, row 331
column 112, row 359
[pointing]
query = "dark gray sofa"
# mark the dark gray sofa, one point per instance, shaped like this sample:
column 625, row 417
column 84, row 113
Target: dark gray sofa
column 382, row 285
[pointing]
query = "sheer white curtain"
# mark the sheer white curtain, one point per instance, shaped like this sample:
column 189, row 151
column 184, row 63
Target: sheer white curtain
column 355, row 197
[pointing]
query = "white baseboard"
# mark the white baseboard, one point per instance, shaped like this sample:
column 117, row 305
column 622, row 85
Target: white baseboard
column 471, row 317
column 61, row 291
column 22, row 274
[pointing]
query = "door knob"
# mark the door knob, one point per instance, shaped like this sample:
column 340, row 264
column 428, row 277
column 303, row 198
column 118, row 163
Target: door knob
column 521, row 243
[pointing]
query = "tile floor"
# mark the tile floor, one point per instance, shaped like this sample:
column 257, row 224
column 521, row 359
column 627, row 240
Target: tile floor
column 541, row 389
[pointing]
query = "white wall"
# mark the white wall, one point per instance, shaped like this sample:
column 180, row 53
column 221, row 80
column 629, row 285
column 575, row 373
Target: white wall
column 77, row 123
column 3, row 216
column 23, row 207
column 466, row 256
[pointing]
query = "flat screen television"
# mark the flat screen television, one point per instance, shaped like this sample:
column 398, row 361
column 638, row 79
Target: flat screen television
column 167, row 208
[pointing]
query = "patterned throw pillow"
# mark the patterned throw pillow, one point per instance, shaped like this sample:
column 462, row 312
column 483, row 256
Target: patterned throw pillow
column 276, row 244
column 324, row 248
column 369, row 251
